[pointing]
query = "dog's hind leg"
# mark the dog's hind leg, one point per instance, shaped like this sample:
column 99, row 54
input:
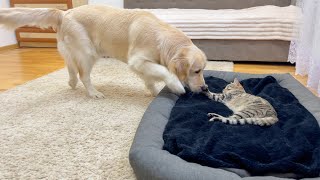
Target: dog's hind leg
column 81, row 62
column 71, row 65
column 73, row 73
column 85, row 68
column 80, row 55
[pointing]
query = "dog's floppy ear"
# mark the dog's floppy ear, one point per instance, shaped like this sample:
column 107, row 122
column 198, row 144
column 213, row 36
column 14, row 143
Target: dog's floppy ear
column 180, row 67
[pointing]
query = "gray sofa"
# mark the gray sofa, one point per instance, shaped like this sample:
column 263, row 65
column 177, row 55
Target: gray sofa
column 233, row 50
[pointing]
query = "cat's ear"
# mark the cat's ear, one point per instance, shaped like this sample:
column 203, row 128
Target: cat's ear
column 236, row 82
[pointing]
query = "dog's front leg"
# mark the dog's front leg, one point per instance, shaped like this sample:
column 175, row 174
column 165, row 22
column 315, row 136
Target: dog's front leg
column 157, row 72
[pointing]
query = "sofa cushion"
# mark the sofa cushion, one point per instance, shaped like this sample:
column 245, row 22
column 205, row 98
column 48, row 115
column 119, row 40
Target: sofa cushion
column 202, row 4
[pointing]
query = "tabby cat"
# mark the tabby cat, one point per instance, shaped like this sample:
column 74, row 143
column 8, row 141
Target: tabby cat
column 246, row 108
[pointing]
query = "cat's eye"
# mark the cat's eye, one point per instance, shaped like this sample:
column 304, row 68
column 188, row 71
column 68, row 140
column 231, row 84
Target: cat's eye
column 197, row 72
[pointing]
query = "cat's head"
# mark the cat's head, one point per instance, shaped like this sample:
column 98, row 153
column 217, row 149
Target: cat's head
column 234, row 87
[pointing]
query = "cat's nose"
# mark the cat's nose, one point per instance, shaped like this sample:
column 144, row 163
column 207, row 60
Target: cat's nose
column 204, row 88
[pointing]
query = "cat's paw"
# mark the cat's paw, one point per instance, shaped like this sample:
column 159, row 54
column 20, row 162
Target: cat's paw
column 215, row 119
column 213, row 115
column 209, row 95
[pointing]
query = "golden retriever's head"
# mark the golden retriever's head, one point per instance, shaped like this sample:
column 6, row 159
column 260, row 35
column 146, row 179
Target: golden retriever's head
column 188, row 65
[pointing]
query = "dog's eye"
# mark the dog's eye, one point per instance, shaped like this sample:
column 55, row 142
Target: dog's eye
column 197, row 72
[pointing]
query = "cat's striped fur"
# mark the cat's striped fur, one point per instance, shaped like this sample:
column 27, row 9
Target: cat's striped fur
column 246, row 108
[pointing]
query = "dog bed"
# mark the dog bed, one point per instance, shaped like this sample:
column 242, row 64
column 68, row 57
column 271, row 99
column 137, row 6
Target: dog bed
column 150, row 161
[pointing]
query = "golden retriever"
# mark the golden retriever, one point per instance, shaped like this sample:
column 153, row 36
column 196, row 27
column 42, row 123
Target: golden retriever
column 153, row 49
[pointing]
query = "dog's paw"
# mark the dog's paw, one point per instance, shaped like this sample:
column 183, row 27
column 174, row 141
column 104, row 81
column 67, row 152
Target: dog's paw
column 154, row 90
column 179, row 91
column 96, row 95
column 176, row 87
column 153, row 94
column 73, row 83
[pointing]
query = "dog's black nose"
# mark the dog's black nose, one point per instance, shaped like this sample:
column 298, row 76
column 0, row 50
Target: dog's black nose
column 204, row 88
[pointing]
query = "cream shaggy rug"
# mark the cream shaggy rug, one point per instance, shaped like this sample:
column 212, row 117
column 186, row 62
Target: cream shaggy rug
column 48, row 131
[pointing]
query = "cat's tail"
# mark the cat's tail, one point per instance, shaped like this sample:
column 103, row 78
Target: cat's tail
column 265, row 121
column 41, row 17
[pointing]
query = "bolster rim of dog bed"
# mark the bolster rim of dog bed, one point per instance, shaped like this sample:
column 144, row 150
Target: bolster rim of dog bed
column 149, row 161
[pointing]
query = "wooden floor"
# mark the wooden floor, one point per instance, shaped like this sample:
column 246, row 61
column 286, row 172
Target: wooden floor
column 21, row 65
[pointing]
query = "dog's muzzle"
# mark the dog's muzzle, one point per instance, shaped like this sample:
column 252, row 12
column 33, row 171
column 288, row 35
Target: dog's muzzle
column 204, row 88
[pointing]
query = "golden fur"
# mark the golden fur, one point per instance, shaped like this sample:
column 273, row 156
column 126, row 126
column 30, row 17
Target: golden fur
column 153, row 49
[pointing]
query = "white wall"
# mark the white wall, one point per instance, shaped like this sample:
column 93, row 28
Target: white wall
column 7, row 37
column 116, row 3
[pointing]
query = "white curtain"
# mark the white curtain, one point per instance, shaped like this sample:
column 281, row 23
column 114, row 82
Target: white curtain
column 305, row 49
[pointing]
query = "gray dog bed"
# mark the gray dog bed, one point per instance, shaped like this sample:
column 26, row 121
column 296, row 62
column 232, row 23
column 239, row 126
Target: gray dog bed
column 148, row 159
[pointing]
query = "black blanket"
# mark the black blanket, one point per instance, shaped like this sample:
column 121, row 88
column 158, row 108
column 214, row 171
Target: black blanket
column 292, row 145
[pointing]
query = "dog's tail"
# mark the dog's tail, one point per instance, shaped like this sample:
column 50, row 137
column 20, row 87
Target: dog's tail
column 39, row 17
